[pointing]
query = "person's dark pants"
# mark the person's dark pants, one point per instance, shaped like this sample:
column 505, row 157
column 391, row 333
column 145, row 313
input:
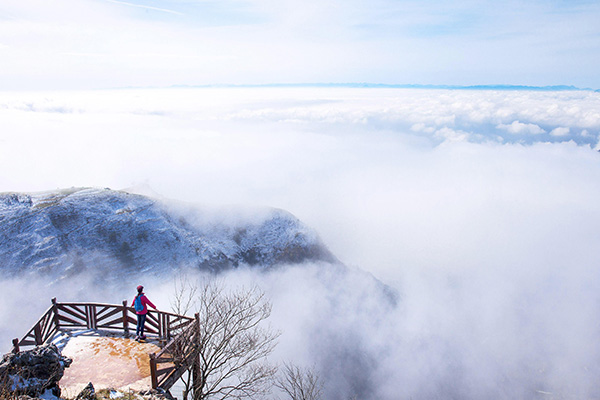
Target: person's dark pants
column 139, row 332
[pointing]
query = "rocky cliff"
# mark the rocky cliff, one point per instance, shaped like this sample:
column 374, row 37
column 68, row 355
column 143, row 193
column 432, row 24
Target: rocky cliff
column 32, row 372
column 70, row 231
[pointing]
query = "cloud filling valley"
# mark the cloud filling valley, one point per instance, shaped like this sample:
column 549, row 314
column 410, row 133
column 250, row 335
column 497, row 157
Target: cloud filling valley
column 478, row 208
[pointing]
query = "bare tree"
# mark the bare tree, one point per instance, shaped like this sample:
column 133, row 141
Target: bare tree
column 184, row 302
column 185, row 295
column 231, row 343
column 299, row 384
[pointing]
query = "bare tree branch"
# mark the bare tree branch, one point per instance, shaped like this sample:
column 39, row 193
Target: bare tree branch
column 299, row 384
column 231, row 343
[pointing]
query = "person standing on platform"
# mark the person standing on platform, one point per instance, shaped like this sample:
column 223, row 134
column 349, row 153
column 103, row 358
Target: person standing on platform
column 141, row 303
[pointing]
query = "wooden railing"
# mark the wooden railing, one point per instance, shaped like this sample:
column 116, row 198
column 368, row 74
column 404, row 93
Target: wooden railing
column 177, row 331
column 175, row 358
column 43, row 330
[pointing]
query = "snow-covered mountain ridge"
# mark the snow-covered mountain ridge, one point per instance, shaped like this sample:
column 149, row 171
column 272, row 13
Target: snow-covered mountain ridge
column 70, row 231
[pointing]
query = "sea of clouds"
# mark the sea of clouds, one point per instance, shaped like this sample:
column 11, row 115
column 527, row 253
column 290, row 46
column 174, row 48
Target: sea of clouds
column 478, row 208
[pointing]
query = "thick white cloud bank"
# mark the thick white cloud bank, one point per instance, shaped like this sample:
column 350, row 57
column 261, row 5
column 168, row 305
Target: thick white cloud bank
column 479, row 207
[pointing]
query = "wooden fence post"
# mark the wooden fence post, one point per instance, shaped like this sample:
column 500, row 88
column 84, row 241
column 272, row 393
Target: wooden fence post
column 196, row 375
column 37, row 332
column 165, row 326
column 158, row 322
column 15, row 346
column 125, row 319
column 168, row 330
column 153, row 371
column 90, row 311
column 196, row 387
column 55, row 317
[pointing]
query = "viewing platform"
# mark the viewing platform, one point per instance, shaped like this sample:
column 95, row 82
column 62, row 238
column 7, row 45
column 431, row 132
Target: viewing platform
column 98, row 338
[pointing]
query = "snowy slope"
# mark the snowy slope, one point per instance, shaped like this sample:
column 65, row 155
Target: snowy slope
column 69, row 231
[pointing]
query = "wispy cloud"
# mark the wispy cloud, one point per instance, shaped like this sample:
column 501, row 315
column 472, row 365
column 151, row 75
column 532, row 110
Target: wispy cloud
column 475, row 42
column 145, row 7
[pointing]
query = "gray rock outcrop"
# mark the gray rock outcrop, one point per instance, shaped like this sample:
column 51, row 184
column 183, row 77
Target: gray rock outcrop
column 67, row 232
column 33, row 372
column 88, row 393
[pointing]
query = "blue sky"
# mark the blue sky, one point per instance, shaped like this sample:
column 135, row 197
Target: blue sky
column 70, row 44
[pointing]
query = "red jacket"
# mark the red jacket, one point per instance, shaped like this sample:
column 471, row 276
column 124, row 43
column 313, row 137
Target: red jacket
column 145, row 303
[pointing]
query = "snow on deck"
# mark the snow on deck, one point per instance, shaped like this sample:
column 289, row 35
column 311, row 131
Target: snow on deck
column 109, row 361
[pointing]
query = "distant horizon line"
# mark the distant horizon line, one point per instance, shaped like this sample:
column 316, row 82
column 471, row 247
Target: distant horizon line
column 350, row 85
column 367, row 85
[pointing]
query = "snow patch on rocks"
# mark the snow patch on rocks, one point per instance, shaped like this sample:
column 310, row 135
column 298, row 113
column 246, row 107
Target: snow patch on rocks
column 66, row 232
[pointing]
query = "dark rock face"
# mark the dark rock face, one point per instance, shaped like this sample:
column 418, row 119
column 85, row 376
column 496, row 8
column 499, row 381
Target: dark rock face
column 71, row 231
column 88, row 393
column 33, row 372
